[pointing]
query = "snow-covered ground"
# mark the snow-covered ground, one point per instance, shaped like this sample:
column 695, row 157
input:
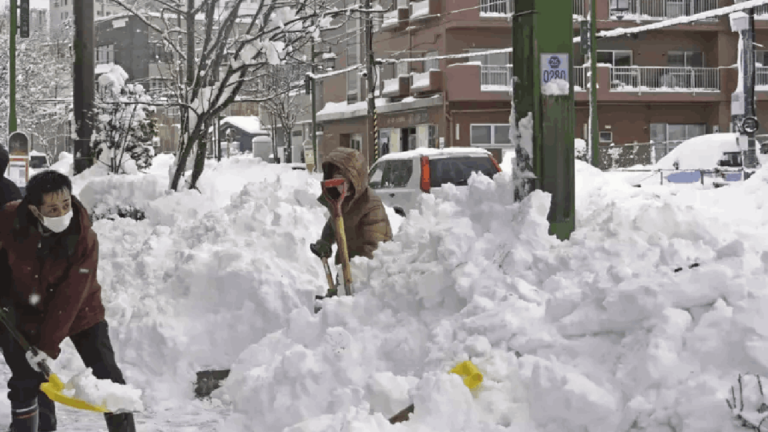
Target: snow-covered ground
column 598, row 333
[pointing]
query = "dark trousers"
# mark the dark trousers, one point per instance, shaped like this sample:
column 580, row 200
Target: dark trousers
column 95, row 350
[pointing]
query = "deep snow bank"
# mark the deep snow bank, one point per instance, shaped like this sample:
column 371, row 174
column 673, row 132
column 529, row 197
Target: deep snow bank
column 610, row 336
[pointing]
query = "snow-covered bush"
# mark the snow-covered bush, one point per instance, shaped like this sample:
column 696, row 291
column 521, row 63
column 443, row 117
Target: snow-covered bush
column 123, row 125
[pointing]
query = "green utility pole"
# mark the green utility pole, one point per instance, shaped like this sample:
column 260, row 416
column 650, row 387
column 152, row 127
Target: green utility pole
column 314, row 108
column 12, row 71
column 543, row 59
column 594, row 142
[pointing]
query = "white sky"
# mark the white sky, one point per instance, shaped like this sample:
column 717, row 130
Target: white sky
column 34, row 4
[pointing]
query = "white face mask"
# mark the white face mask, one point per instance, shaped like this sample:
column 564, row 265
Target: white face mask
column 58, row 224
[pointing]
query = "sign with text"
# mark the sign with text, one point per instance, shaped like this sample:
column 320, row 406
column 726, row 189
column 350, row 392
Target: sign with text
column 404, row 120
column 554, row 66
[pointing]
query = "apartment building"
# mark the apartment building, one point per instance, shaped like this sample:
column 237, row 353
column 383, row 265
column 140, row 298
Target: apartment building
column 125, row 40
column 62, row 10
column 663, row 86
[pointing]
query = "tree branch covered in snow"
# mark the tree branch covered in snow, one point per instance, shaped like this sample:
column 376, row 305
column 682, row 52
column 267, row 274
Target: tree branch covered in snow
column 123, row 125
column 285, row 84
column 218, row 50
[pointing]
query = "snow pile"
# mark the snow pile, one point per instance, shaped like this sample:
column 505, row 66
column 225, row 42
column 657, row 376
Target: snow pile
column 702, row 152
column 112, row 396
column 249, row 124
column 609, row 335
column 420, row 80
column 64, row 164
column 556, row 87
column 580, row 149
column 419, row 9
column 391, row 85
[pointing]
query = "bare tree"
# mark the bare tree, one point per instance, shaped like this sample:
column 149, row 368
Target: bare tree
column 286, row 83
column 218, row 50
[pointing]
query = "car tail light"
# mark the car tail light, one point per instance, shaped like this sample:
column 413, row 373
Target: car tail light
column 425, row 179
column 495, row 163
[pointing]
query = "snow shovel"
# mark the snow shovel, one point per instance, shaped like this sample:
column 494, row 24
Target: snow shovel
column 338, row 221
column 54, row 387
column 467, row 370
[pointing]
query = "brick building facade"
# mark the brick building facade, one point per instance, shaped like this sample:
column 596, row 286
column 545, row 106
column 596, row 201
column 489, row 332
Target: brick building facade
column 664, row 85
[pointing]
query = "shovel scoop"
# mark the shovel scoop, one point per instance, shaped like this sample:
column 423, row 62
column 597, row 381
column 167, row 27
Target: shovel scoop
column 54, row 388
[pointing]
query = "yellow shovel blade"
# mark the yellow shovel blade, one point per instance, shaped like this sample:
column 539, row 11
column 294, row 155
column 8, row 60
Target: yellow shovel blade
column 468, row 371
column 53, row 389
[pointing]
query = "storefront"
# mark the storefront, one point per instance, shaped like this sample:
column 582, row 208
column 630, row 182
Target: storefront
column 405, row 131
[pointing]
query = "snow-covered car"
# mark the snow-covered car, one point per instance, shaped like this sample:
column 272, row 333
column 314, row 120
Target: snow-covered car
column 400, row 178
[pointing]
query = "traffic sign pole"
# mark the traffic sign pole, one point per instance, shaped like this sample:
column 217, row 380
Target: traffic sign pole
column 543, row 74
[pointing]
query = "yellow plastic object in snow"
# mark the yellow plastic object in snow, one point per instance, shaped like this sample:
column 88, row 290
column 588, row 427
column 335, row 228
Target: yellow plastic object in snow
column 468, row 371
column 53, row 389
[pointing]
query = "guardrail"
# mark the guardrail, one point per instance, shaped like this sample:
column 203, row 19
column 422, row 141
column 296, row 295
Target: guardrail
column 495, row 76
column 691, row 175
column 496, row 7
column 581, row 78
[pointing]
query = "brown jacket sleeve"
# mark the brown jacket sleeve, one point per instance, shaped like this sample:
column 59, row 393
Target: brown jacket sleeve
column 375, row 229
column 68, row 297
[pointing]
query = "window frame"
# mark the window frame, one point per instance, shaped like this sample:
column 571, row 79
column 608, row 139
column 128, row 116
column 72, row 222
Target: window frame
column 493, row 143
column 613, row 56
column 685, row 55
column 600, row 136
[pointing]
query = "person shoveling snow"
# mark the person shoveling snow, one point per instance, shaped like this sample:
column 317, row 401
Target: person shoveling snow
column 365, row 220
column 53, row 253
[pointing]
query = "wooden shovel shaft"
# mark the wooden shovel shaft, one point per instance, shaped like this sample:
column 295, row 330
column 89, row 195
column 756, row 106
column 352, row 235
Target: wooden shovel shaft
column 341, row 241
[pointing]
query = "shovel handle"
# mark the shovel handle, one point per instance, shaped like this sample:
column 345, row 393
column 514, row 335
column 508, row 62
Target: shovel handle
column 341, row 240
column 335, row 203
column 44, row 368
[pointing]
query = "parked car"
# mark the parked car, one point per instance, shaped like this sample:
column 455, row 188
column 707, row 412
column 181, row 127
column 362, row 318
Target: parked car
column 399, row 178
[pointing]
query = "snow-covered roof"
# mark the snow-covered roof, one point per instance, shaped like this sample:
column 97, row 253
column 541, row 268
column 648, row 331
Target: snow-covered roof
column 452, row 151
column 36, row 153
column 249, row 124
column 701, row 152
column 341, row 110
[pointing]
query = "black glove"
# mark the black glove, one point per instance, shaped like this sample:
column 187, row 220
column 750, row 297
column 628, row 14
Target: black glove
column 321, row 248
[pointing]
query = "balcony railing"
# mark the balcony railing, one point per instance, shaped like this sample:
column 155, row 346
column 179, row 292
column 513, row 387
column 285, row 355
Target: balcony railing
column 578, row 8
column 495, row 7
column 659, row 9
column 494, row 77
column 581, row 78
column 650, row 78
column 761, row 77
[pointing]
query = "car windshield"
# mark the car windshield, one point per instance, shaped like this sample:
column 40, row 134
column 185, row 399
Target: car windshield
column 457, row 170
column 38, row 162
column 391, row 174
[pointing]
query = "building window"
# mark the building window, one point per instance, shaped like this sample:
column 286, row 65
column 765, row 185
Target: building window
column 685, row 59
column 432, row 136
column 663, row 132
column 606, row 137
column 489, row 135
column 431, row 64
column 615, row 58
column 353, row 84
column 356, row 142
column 297, row 133
column 105, row 54
column 402, row 69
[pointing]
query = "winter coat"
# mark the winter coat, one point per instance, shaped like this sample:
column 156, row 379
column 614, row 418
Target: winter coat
column 365, row 220
column 9, row 192
column 60, row 269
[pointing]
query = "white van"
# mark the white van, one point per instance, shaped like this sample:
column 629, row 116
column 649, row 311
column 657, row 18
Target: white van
column 400, row 178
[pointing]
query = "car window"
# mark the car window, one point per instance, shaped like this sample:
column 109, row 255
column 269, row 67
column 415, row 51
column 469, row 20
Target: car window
column 37, row 162
column 376, row 175
column 457, row 170
column 401, row 173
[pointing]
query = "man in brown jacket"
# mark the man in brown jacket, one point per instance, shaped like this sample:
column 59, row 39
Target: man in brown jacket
column 53, row 254
column 365, row 220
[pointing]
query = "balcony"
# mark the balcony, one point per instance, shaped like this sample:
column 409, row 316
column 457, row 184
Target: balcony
column 665, row 79
column 425, row 9
column 430, row 81
column 579, row 9
column 495, row 78
column 647, row 10
column 761, row 12
column 399, row 87
column 471, row 82
column 396, row 20
column 581, row 78
column 761, row 78
column 495, row 8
